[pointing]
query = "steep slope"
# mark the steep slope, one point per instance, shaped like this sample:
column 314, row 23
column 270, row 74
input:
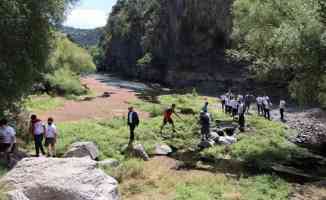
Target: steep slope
column 180, row 42
column 83, row 37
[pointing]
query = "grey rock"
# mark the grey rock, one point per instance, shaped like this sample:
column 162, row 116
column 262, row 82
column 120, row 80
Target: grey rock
column 108, row 163
column 138, row 151
column 60, row 178
column 82, row 149
column 214, row 136
column 163, row 149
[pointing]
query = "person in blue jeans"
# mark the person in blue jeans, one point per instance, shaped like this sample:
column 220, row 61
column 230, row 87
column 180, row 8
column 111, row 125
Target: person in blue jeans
column 38, row 130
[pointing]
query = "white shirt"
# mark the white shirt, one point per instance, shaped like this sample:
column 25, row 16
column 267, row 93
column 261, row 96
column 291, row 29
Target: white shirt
column 282, row 104
column 130, row 117
column 234, row 104
column 241, row 109
column 259, row 100
column 39, row 128
column 7, row 134
column 266, row 104
column 51, row 131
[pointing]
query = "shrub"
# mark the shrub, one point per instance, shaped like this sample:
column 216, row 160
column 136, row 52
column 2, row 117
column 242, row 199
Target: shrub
column 132, row 168
column 64, row 82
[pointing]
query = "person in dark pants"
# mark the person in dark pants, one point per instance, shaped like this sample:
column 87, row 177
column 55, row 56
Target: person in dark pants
column 205, row 125
column 7, row 139
column 133, row 122
column 38, row 130
column 241, row 112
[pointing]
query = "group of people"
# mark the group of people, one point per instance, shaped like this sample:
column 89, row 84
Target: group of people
column 38, row 130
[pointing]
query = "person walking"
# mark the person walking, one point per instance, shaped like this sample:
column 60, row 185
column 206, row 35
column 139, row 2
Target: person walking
column 38, row 130
column 223, row 98
column 133, row 122
column 247, row 102
column 7, row 139
column 167, row 117
column 51, row 136
column 234, row 106
column 282, row 109
column 205, row 125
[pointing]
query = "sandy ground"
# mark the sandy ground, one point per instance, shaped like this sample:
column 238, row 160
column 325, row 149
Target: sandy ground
column 97, row 107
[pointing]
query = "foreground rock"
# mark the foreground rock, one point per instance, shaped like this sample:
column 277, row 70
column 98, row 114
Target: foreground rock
column 82, row 149
column 138, row 151
column 60, row 179
column 162, row 149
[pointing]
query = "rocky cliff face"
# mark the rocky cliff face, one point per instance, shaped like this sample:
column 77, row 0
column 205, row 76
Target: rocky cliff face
column 179, row 42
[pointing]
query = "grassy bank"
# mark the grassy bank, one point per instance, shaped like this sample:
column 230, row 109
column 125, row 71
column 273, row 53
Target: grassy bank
column 262, row 145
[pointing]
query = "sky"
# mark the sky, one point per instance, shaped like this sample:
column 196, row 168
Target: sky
column 88, row 14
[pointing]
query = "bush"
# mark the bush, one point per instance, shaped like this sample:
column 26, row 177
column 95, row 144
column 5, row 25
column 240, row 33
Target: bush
column 132, row 168
column 64, row 82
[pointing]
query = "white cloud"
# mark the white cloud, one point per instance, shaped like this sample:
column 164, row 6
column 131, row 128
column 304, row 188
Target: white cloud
column 86, row 18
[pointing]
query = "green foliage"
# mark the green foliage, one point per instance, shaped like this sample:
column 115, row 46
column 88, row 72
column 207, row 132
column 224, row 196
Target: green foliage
column 26, row 39
column 283, row 37
column 42, row 103
column 69, row 55
column 65, row 82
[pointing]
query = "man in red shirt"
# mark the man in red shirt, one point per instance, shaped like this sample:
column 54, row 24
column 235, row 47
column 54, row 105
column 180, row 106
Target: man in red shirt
column 167, row 117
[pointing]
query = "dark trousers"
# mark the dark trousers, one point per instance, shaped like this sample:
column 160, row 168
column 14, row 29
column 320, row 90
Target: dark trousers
column 267, row 113
column 282, row 113
column 132, row 128
column 38, row 144
column 205, row 132
column 247, row 107
column 259, row 109
column 242, row 122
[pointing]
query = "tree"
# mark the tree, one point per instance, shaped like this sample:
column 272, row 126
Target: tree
column 26, row 33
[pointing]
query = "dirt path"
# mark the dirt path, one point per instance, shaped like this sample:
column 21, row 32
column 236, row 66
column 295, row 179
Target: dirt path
column 97, row 107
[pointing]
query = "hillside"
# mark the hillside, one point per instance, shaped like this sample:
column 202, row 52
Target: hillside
column 179, row 43
column 83, row 37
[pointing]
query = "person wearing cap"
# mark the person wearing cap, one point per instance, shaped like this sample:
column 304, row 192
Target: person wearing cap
column 133, row 122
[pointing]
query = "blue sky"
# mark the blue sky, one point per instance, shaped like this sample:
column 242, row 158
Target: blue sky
column 90, row 14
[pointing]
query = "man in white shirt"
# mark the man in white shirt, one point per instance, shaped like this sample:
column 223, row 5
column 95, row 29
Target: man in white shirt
column 51, row 138
column 259, row 101
column 282, row 108
column 234, row 105
column 7, row 138
column 267, row 107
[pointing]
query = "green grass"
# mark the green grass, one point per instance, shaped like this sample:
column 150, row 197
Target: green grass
column 42, row 103
column 265, row 143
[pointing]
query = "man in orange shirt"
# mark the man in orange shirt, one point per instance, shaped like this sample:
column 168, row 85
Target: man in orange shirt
column 167, row 117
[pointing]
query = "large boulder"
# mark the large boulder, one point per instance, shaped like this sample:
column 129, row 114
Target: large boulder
column 60, row 179
column 82, row 149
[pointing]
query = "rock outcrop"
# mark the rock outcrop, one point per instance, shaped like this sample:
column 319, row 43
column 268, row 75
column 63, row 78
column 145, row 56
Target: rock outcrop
column 82, row 149
column 60, row 179
column 179, row 42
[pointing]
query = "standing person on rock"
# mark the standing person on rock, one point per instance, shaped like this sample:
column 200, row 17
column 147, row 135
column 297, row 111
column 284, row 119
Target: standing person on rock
column 167, row 117
column 7, row 139
column 38, row 130
column 133, row 122
column 51, row 137
column 205, row 121
column 282, row 109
